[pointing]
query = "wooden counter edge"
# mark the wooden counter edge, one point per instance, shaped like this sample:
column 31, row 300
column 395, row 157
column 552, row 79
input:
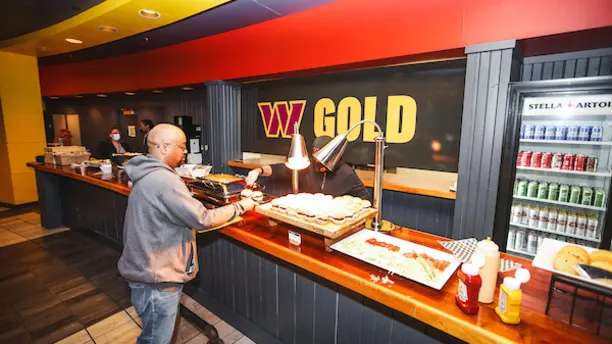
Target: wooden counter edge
column 419, row 310
column 369, row 183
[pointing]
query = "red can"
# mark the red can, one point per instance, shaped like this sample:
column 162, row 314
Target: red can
column 547, row 160
column 526, row 159
column 536, row 159
column 518, row 158
column 580, row 162
column 591, row 164
column 568, row 162
column 557, row 161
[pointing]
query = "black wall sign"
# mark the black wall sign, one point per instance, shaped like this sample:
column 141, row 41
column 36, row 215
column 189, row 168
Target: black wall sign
column 418, row 107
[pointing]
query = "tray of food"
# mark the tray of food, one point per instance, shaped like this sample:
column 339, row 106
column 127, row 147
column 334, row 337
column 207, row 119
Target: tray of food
column 416, row 262
column 323, row 214
column 572, row 260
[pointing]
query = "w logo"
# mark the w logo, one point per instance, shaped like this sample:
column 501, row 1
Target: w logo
column 279, row 118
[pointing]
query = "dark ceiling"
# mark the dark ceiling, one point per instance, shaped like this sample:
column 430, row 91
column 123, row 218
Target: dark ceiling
column 18, row 17
column 233, row 15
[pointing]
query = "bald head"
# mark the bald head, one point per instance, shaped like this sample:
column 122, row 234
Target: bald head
column 167, row 143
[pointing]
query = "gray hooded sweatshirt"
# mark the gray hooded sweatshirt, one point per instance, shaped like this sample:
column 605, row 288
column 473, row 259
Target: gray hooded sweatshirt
column 158, row 237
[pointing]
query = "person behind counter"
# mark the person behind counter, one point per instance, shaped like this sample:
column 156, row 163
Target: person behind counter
column 145, row 126
column 159, row 253
column 112, row 145
column 316, row 178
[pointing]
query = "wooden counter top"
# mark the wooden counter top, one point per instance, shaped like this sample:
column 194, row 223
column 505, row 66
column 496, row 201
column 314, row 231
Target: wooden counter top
column 435, row 308
column 419, row 182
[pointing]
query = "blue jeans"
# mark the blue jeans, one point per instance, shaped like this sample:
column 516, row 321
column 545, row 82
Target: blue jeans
column 158, row 310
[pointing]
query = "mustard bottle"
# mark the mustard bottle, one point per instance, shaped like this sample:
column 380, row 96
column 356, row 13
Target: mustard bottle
column 510, row 297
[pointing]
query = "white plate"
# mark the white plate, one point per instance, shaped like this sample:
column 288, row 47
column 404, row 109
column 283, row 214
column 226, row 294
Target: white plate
column 356, row 246
column 546, row 255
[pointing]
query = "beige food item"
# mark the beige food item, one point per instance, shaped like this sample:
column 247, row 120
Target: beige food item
column 602, row 265
column 601, row 256
column 580, row 253
column 257, row 196
column 246, row 193
column 566, row 263
column 223, row 178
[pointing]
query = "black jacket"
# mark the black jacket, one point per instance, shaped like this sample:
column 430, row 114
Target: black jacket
column 342, row 181
column 106, row 149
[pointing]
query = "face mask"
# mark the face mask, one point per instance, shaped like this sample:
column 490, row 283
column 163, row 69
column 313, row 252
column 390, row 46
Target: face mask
column 116, row 137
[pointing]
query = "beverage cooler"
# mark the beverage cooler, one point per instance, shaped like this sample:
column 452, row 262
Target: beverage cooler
column 556, row 165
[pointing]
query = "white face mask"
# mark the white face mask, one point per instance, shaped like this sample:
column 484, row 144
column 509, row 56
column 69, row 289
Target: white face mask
column 116, row 137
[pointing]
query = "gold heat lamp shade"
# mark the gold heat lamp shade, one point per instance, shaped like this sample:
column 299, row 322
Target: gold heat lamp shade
column 330, row 154
column 298, row 156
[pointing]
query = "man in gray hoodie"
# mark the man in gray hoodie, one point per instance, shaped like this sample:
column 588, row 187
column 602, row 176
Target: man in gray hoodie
column 159, row 252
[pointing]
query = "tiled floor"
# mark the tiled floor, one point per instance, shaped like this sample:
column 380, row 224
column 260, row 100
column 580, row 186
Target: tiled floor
column 65, row 287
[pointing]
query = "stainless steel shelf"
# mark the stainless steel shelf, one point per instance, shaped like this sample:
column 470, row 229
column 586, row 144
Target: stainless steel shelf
column 580, row 143
column 576, row 173
column 554, row 232
column 571, row 205
column 520, row 252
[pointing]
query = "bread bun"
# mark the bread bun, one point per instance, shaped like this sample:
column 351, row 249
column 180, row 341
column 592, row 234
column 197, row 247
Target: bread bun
column 601, row 256
column 566, row 263
column 580, row 253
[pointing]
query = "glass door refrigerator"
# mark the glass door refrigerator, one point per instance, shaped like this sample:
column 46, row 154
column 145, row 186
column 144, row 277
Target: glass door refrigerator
column 556, row 165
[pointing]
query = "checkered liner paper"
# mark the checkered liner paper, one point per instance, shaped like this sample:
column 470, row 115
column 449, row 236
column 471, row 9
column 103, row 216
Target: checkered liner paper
column 463, row 250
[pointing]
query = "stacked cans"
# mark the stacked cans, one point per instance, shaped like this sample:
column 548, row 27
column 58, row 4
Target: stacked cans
column 574, row 194
column 561, row 132
column 557, row 161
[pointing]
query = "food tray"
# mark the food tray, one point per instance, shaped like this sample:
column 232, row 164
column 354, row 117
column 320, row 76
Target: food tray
column 328, row 230
column 546, row 255
column 394, row 260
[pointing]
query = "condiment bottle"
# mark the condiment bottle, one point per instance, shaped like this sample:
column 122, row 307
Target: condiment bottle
column 469, row 285
column 510, row 297
column 488, row 273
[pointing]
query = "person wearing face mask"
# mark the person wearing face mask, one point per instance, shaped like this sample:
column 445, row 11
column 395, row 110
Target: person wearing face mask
column 113, row 145
column 316, row 178
column 159, row 247
column 144, row 126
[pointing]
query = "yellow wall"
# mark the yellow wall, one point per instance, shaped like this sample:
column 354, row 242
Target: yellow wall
column 22, row 131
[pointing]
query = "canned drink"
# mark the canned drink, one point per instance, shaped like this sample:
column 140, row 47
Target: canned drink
column 522, row 132
column 536, row 160
column 561, row 133
column 591, row 164
column 534, row 216
column 584, row 133
column 581, row 225
column 546, row 160
column 532, row 242
column 561, row 221
column 526, row 158
column 592, row 223
column 543, row 190
column 511, row 238
column 518, row 159
column 521, row 190
column 564, row 191
column 520, row 240
column 572, row 133
column 572, row 222
column 540, row 241
column 568, row 162
column 553, row 213
column 597, row 133
column 550, row 132
column 515, row 187
column 587, row 196
column 540, row 131
column 543, row 220
column 600, row 198
column 532, row 189
column 553, row 191
column 516, row 211
column 580, row 162
column 557, row 161
column 574, row 196
column 525, row 215
column 529, row 131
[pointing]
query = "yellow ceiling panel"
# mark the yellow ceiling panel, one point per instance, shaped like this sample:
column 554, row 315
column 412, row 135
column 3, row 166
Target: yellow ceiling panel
column 86, row 27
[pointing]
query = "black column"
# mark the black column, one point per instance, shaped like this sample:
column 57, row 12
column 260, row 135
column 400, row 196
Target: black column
column 223, row 100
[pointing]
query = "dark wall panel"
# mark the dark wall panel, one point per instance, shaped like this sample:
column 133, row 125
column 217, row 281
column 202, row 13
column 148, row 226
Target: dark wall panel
column 223, row 100
column 594, row 62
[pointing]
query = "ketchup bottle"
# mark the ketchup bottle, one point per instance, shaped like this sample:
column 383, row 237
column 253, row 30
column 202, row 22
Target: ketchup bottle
column 469, row 285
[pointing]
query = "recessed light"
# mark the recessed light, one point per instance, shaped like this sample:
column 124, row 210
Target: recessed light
column 129, row 93
column 149, row 14
column 74, row 41
column 53, row 97
column 43, row 48
column 107, row 28
column 187, row 88
column 157, row 91
column 101, row 95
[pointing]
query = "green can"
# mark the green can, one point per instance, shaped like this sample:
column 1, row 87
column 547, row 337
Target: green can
column 564, row 191
column 599, row 198
column 543, row 190
column 516, row 183
column 532, row 189
column 587, row 196
column 522, row 188
column 553, row 191
column 575, row 192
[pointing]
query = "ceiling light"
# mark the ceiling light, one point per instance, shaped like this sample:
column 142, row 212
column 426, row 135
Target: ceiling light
column 187, row 88
column 107, row 28
column 149, row 14
column 74, row 41
column 129, row 93
column 53, row 97
column 101, row 95
column 157, row 91
column 43, row 48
